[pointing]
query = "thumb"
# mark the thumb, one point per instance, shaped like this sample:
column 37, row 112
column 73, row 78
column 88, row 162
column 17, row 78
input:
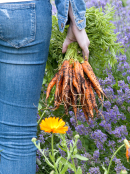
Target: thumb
column 65, row 45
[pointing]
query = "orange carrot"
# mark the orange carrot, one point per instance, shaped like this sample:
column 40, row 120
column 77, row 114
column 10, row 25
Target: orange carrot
column 88, row 99
column 85, row 109
column 66, row 75
column 77, row 75
column 75, row 84
column 58, row 101
column 58, row 82
column 98, row 92
column 92, row 96
column 50, row 86
column 74, row 100
column 71, row 74
column 82, row 77
column 90, row 74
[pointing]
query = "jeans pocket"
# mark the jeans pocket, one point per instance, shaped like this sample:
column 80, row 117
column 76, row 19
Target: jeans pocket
column 18, row 23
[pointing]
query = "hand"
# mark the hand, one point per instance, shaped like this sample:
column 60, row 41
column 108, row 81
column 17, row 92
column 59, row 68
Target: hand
column 76, row 35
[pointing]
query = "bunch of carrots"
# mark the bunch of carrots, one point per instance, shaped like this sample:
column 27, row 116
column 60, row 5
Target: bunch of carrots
column 75, row 85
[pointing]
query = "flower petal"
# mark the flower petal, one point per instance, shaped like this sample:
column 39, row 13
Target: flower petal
column 54, row 125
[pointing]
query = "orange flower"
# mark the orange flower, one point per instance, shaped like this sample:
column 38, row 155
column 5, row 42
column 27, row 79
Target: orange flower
column 54, row 125
column 127, row 144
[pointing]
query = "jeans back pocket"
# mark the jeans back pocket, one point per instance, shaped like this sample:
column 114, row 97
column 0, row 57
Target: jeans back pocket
column 18, row 23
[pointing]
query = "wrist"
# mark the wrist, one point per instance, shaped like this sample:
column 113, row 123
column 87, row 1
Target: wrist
column 71, row 16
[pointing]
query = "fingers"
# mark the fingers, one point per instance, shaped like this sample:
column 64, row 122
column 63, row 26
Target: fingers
column 85, row 49
column 82, row 39
column 65, row 46
column 74, row 34
column 85, row 53
column 69, row 39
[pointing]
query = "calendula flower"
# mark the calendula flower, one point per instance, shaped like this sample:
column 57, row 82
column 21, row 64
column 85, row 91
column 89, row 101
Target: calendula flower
column 127, row 144
column 54, row 125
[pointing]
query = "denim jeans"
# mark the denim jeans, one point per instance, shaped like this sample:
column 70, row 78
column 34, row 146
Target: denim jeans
column 25, row 31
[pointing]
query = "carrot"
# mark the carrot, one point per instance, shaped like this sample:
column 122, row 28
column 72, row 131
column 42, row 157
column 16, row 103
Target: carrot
column 98, row 92
column 58, row 102
column 66, row 93
column 66, row 106
column 77, row 74
column 82, row 77
column 65, row 97
column 50, row 86
column 66, row 75
column 71, row 74
column 92, row 96
column 90, row 74
column 88, row 99
column 74, row 100
column 58, row 82
column 75, row 84
column 85, row 109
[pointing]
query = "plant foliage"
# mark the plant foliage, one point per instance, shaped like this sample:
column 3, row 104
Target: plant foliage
column 100, row 30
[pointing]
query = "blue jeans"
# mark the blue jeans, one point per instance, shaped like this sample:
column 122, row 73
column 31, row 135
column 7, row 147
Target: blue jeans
column 25, row 31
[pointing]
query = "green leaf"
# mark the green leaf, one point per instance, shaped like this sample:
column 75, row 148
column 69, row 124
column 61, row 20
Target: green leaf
column 39, row 106
column 60, row 165
column 52, row 172
column 63, row 160
column 64, row 169
column 47, row 160
column 51, row 157
column 44, row 81
column 62, row 148
column 79, row 170
column 80, row 157
column 57, row 161
column 106, row 172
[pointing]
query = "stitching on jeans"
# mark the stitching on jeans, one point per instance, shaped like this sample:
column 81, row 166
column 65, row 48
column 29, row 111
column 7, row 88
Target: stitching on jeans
column 33, row 19
column 22, row 106
column 17, row 6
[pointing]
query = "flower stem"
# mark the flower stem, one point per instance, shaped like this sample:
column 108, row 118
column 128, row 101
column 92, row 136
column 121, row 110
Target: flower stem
column 45, row 111
column 73, row 165
column 41, row 117
column 113, row 157
column 52, row 139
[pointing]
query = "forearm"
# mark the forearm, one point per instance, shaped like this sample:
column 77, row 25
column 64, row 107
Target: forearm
column 75, row 9
column 70, row 13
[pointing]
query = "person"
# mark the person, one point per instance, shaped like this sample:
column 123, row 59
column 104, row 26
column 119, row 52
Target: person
column 25, row 31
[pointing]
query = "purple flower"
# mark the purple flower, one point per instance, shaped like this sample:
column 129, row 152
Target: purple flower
column 118, row 166
column 107, row 105
column 37, row 168
column 81, row 129
column 73, row 121
column 96, row 155
column 81, row 116
column 128, row 109
column 99, row 138
column 120, row 132
column 107, row 161
column 106, row 126
column 62, row 153
column 70, row 132
column 41, row 138
column 128, row 79
column 94, row 170
column 79, row 145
